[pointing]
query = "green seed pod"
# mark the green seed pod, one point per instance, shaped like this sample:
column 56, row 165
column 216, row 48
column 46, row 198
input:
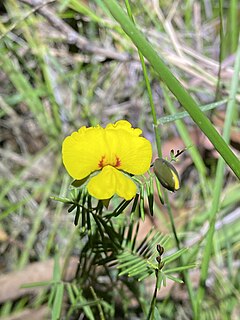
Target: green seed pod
column 166, row 174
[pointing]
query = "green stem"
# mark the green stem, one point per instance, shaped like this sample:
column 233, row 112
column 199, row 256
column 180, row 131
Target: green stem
column 100, row 310
column 174, row 85
column 184, row 133
column 220, row 57
column 149, row 90
column 151, row 312
column 185, row 273
column 219, row 182
column 158, row 142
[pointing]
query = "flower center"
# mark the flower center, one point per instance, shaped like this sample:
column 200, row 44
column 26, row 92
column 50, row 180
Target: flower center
column 105, row 162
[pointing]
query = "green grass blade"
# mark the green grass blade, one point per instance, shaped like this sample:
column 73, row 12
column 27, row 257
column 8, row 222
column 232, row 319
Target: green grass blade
column 58, row 300
column 184, row 114
column 233, row 24
column 174, row 85
column 219, row 181
column 38, row 219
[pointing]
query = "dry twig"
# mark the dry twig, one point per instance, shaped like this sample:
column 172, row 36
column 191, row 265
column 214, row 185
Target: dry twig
column 72, row 36
column 10, row 283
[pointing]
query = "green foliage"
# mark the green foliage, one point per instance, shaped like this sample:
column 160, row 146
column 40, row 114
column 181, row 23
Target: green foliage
column 110, row 242
column 50, row 86
column 173, row 84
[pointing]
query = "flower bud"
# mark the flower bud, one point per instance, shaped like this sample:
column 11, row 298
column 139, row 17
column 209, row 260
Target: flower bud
column 166, row 174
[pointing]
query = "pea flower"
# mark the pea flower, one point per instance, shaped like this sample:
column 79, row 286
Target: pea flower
column 109, row 152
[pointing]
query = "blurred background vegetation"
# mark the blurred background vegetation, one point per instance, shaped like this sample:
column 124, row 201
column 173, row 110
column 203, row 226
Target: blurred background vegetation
column 68, row 63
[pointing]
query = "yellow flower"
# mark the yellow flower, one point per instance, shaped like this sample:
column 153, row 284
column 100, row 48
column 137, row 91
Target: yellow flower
column 110, row 152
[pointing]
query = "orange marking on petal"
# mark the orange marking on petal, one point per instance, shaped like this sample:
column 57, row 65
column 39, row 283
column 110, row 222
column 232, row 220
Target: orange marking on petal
column 101, row 162
column 118, row 162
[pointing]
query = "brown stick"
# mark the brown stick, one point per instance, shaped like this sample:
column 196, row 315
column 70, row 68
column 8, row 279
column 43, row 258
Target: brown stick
column 10, row 283
column 72, row 36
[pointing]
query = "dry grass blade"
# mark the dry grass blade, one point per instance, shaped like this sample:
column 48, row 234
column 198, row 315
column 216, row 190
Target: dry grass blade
column 72, row 36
